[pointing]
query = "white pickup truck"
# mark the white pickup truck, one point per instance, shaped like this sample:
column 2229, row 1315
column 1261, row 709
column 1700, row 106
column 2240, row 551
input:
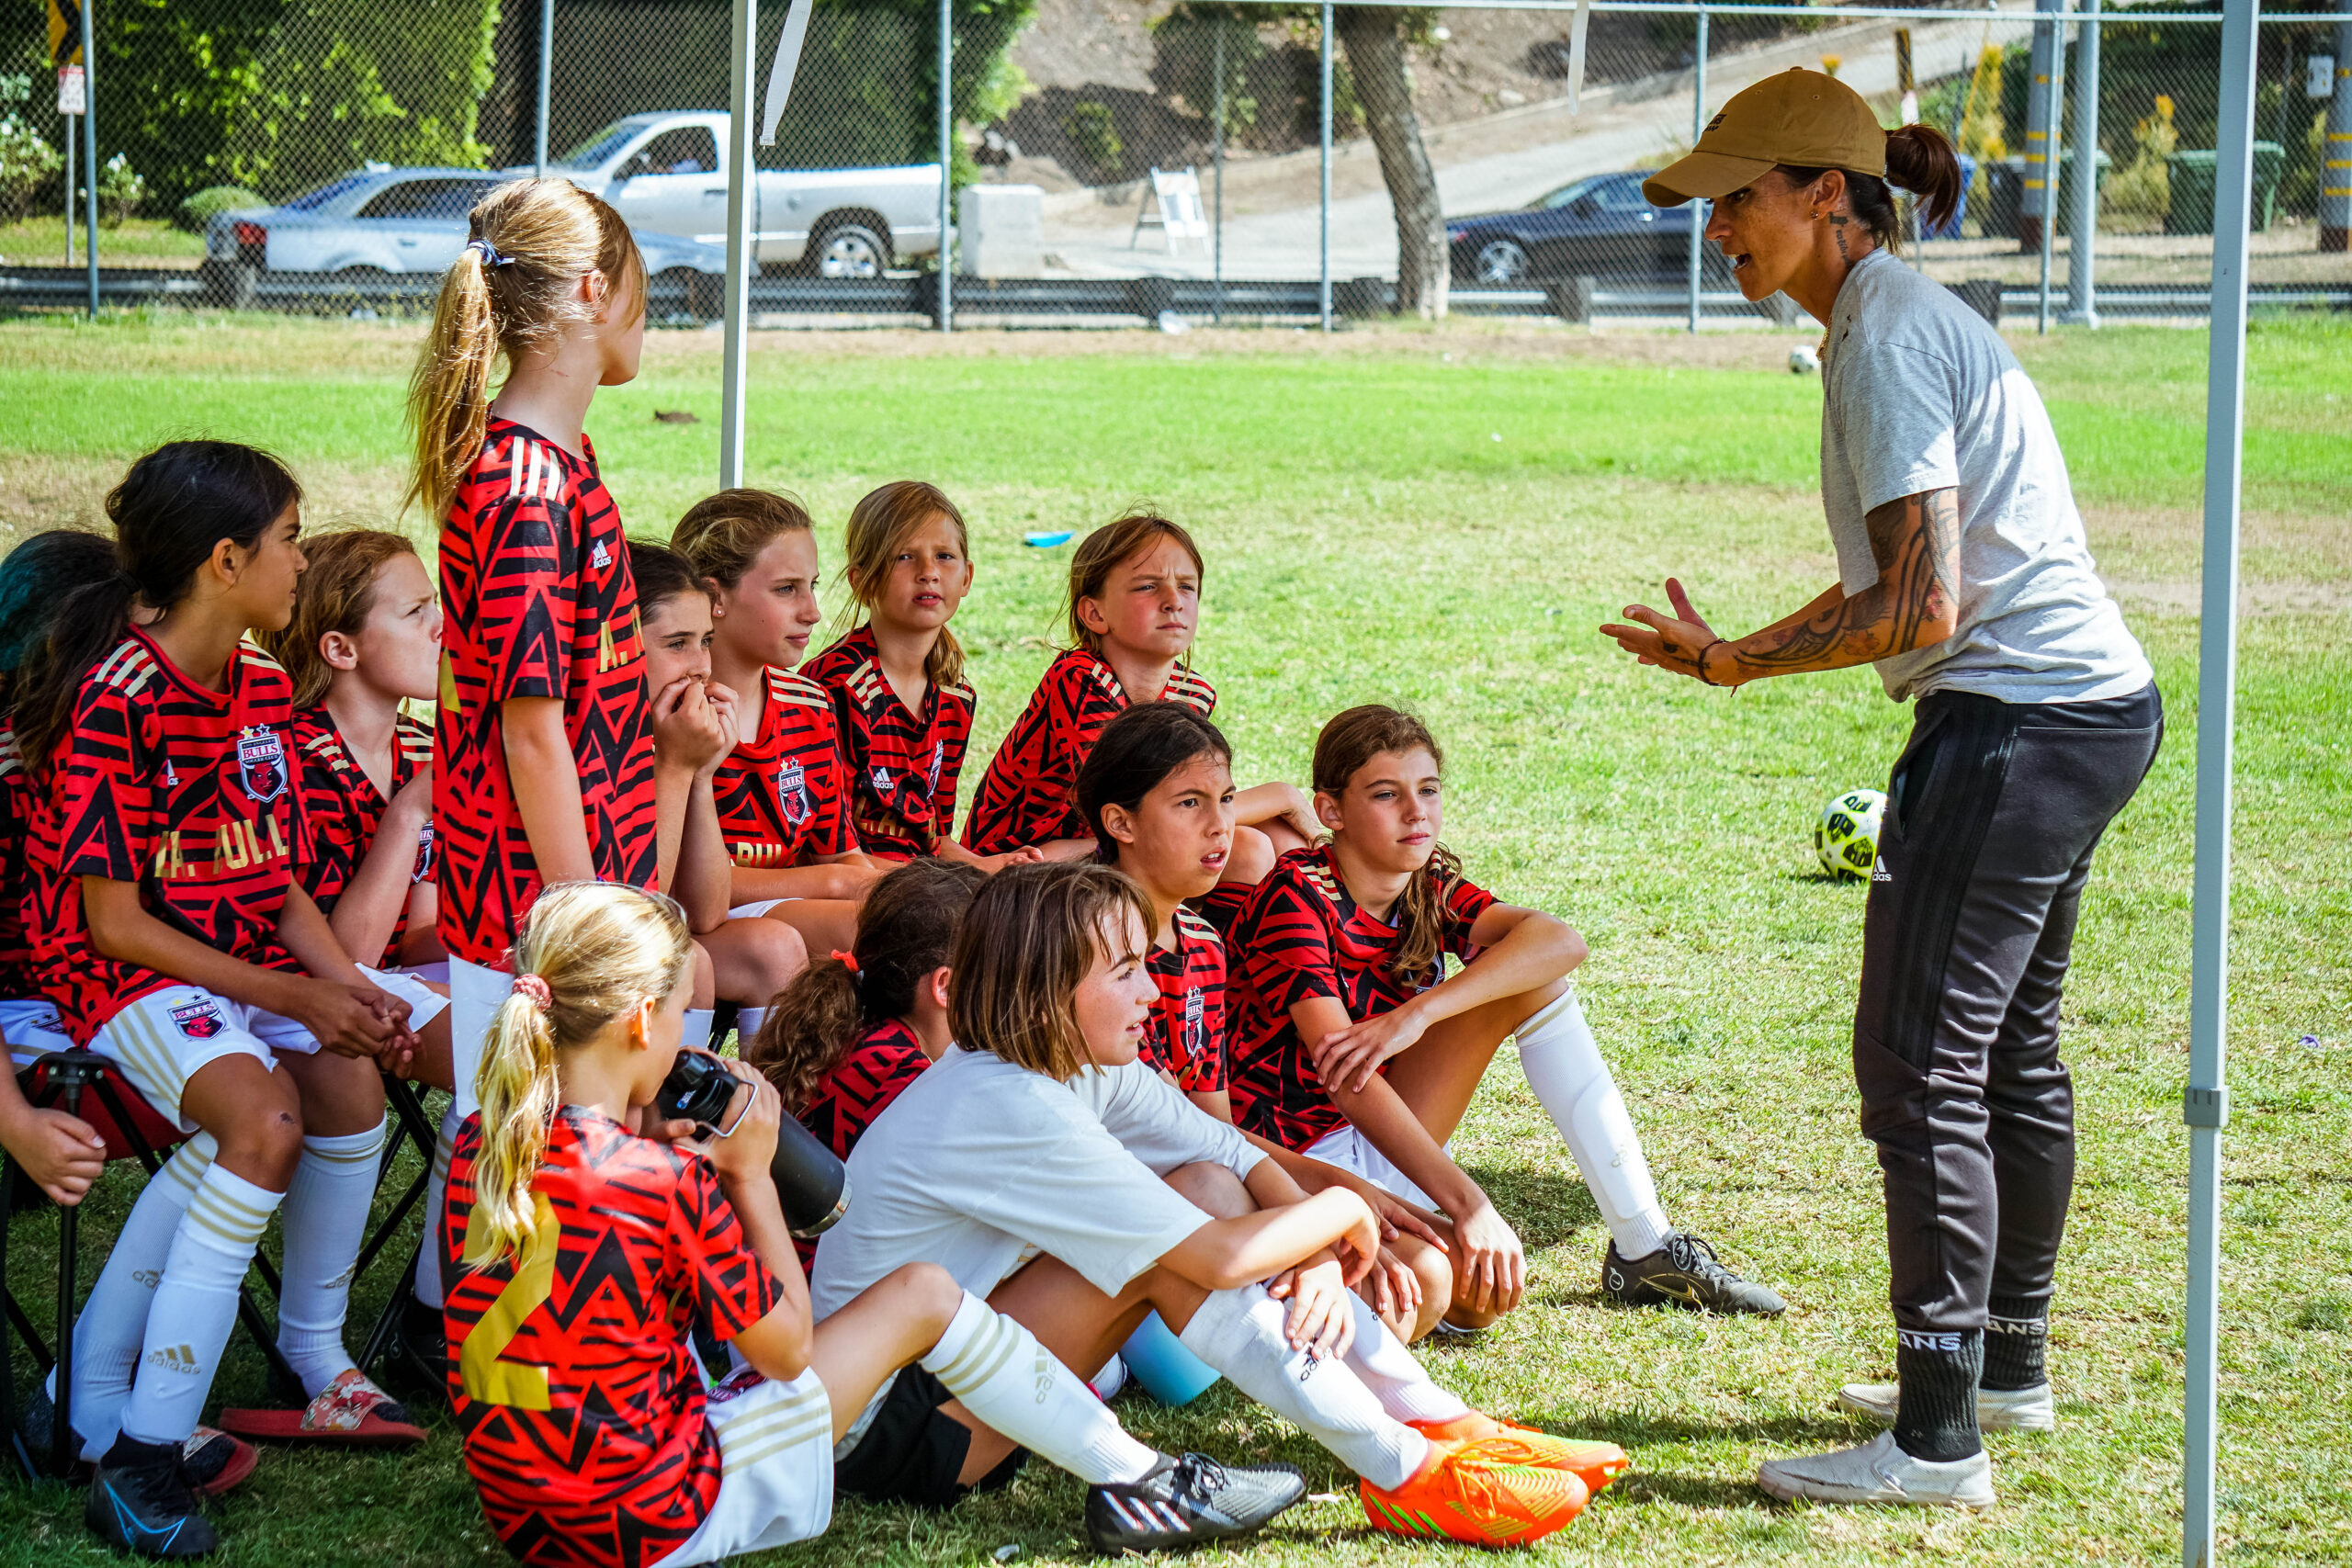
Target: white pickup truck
column 667, row 173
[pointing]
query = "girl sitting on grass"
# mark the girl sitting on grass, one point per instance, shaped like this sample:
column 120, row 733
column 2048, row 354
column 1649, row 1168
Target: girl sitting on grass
column 783, row 793
column 585, row 1240
column 1135, row 605
column 1039, row 1161
column 900, row 703
column 1355, row 1047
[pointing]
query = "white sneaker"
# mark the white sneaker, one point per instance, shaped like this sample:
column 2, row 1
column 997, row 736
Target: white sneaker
column 1878, row 1472
column 1998, row 1409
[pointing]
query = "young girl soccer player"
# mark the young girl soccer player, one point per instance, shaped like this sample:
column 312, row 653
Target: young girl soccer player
column 168, row 928
column 783, row 792
column 1040, row 1133
column 1157, row 794
column 366, row 637
column 900, row 701
column 1352, row 1045
column 542, row 671
column 1134, row 603
column 751, row 959
column 582, row 1255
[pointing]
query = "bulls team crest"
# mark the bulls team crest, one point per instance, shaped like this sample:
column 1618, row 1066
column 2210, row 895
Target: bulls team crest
column 1195, row 1008
column 261, row 764
column 791, row 792
column 200, row 1020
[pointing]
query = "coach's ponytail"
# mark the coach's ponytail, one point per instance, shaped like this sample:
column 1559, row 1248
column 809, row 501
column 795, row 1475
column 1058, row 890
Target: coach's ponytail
column 1345, row 744
column 171, row 510
column 1921, row 160
column 906, row 930
column 510, row 291
column 591, row 952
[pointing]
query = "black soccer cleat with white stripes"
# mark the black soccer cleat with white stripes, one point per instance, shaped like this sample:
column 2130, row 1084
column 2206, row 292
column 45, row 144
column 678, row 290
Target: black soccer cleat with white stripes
column 1188, row 1500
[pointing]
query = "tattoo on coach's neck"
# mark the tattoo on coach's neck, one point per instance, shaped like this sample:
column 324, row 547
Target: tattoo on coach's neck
column 1838, row 221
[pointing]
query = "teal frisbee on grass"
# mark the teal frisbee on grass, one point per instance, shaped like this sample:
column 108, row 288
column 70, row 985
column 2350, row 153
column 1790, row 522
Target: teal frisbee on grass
column 1048, row 539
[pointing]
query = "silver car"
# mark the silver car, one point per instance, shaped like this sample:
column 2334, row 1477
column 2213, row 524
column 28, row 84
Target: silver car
column 383, row 220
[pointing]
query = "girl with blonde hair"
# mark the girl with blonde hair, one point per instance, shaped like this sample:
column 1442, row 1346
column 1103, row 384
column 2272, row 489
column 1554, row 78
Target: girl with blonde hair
column 585, row 1238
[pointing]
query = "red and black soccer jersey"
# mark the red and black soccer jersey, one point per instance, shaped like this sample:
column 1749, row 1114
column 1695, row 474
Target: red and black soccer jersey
column 902, row 766
column 539, row 602
column 1221, row 905
column 1185, row 1036
column 16, row 873
column 342, row 808
column 1024, row 796
column 782, row 796
column 188, row 793
column 1300, row 937
column 861, row 1086
column 572, row 1374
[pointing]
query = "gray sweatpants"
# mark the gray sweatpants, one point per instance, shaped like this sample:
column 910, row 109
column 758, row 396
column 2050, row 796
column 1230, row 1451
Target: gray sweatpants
column 1994, row 810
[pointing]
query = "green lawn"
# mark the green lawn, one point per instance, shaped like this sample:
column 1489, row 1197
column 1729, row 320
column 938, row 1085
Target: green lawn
column 1441, row 518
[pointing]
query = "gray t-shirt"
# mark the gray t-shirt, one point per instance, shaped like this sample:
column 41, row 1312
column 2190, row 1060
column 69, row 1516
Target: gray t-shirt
column 1920, row 394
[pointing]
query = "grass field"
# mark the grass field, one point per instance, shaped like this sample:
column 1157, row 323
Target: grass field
column 1441, row 519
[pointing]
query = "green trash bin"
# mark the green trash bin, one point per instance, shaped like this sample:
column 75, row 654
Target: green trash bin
column 2190, row 175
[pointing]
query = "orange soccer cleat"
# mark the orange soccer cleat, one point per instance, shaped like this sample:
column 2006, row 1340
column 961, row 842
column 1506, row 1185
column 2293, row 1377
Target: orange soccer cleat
column 1493, row 1440
column 1455, row 1496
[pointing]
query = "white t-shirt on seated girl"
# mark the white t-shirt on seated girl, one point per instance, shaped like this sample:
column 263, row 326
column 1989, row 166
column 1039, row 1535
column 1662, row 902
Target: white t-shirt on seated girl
column 980, row 1164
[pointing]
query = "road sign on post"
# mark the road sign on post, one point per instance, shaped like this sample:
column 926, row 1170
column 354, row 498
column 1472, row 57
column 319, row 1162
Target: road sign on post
column 72, row 97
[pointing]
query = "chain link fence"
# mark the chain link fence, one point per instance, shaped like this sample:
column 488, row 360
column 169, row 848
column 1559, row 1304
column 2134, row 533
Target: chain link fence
column 1211, row 157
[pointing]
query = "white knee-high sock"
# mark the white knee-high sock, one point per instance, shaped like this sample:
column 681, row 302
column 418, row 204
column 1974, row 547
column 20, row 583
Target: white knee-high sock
column 436, row 1186
column 747, row 1026
column 1015, row 1386
column 1240, row 1333
column 1572, row 1083
column 326, row 1214
column 113, row 1324
column 1396, row 1377
column 696, row 1033
column 195, row 1305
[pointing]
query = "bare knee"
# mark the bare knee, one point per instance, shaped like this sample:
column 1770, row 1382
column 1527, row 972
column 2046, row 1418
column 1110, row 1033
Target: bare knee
column 1213, row 1189
column 780, row 952
column 1436, row 1277
column 263, row 1143
column 1251, row 856
column 923, row 1293
column 706, row 991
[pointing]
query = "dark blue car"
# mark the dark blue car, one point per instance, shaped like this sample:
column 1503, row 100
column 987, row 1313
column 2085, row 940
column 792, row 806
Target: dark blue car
column 1600, row 226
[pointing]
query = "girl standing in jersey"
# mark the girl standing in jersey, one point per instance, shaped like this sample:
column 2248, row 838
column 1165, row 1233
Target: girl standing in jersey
column 1135, row 605
column 1964, row 577
column 167, row 926
column 1033, row 1162
column 366, row 638
column 903, row 709
column 542, row 663
column 1355, row 1047
column 783, row 792
column 583, row 1253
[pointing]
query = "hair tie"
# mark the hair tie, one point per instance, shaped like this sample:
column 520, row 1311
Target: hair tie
column 536, row 988
column 848, row 960
column 489, row 254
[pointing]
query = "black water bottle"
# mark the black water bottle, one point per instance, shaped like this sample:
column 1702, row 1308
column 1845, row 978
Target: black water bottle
column 811, row 1183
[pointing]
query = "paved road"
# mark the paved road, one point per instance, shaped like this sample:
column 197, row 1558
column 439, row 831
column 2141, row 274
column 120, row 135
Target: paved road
column 1494, row 163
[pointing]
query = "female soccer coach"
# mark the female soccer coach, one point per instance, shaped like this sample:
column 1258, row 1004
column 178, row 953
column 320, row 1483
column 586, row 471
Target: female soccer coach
column 1963, row 576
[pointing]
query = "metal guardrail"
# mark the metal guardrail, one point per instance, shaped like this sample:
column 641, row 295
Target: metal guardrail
column 1144, row 299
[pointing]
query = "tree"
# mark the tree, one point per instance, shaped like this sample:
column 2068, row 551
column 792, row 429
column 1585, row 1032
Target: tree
column 1375, row 38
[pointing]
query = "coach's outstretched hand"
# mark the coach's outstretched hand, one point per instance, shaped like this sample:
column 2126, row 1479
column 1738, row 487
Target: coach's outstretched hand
column 1677, row 642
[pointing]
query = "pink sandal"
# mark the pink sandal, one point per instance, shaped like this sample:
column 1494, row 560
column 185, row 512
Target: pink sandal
column 351, row 1410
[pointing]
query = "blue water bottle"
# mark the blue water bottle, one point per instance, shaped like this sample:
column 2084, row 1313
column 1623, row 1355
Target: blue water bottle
column 1157, row 1359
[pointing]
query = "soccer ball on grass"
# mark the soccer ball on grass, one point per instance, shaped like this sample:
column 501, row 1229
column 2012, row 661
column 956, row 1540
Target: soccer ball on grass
column 1847, row 836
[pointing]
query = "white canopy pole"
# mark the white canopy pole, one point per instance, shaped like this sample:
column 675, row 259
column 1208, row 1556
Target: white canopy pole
column 738, row 247
column 2206, row 1106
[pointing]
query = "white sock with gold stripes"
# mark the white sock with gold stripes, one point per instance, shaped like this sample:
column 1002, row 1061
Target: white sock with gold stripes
column 195, row 1305
column 107, row 1336
column 326, row 1216
column 1016, row 1387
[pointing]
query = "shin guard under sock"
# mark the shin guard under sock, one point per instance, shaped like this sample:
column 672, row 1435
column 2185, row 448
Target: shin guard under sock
column 2017, row 1339
column 326, row 1216
column 1393, row 1374
column 195, row 1305
column 1564, row 1067
column 1936, row 1413
column 1014, row 1385
column 1240, row 1333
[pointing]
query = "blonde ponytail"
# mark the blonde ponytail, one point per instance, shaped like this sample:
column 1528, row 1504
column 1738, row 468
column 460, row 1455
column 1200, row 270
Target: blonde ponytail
column 600, row 951
column 510, row 291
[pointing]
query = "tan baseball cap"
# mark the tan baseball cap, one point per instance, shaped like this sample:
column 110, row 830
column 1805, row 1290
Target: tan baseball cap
column 1799, row 117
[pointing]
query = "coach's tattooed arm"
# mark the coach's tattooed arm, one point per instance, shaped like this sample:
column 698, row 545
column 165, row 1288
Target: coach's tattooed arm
column 1914, row 604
